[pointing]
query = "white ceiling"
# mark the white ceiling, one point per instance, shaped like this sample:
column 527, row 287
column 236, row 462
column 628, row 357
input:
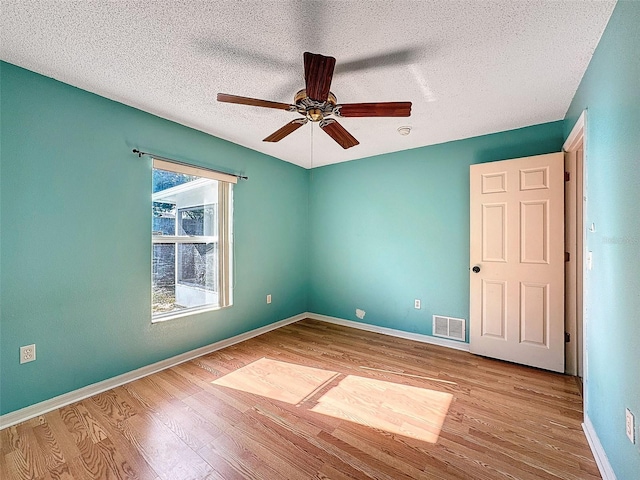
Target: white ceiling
column 470, row 67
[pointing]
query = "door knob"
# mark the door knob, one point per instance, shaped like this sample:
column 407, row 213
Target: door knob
column 476, row 269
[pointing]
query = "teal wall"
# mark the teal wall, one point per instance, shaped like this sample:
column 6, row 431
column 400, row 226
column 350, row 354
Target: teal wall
column 610, row 91
column 389, row 229
column 76, row 227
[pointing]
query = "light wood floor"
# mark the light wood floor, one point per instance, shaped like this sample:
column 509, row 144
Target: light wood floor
column 316, row 401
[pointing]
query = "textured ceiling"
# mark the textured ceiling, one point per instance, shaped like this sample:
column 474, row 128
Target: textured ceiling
column 470, row 67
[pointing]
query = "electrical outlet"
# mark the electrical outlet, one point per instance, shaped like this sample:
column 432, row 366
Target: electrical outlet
column 269, row 298
column 630, row 426
column 28, row 353
column 416, row 304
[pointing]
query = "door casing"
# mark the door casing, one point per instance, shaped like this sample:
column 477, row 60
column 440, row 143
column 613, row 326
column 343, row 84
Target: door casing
column 576, row 317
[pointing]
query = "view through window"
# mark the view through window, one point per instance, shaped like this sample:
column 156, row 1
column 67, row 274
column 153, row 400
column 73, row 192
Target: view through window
column 191, row 252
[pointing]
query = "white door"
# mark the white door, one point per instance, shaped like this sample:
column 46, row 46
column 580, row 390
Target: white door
column 517, row 261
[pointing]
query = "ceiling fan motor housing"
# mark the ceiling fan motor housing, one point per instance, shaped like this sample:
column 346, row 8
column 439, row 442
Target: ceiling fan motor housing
column 312, row 109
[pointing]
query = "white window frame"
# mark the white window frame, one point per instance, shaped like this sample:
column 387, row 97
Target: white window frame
column 224, row 237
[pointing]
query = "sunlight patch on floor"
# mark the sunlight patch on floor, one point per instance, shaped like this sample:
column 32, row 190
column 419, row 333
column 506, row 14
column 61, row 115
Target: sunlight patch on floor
column 277, row 380
column 401, row 409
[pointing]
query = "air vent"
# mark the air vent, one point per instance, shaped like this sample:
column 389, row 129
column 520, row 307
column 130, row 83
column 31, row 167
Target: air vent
column 449, row 327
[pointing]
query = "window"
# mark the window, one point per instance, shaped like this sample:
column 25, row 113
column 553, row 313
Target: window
column 191, row 240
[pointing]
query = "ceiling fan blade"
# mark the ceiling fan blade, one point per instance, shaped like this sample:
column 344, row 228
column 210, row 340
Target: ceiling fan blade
column 338, row 133
column 318, row 72
column 255, row 102
column 286, row 130
column 381, row 109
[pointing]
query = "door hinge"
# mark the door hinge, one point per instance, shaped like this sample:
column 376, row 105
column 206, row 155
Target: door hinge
column 567, row 256
column 567, row 176
column 567, row 337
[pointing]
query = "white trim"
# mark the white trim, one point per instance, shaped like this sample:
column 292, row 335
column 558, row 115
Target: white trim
column 193, row 170
column 578, row 136
column 185, row 312
column 417, row 337
column 598, row 451
column 577, row 132
column 184, row 239
column 46, row 406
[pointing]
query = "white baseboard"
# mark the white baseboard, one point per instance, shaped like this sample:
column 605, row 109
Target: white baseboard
column 418, row 337
column 46, row 406
column 598, row 451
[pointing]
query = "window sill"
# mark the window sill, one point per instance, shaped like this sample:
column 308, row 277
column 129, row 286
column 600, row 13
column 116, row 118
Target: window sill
column 184, row 313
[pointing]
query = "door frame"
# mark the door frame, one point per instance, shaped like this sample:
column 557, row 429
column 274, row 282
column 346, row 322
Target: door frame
column 577, row 140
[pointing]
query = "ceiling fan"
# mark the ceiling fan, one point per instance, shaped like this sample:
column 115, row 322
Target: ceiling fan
column 317, row 104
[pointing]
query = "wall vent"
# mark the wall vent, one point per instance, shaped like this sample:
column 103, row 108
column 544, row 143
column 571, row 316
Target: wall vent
column 449, row 327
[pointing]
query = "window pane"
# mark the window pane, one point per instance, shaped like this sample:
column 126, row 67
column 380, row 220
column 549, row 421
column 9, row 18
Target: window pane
column 163, row 180
column 164, row 218
column 164, row 275
column 197, row 221
column 198, row 265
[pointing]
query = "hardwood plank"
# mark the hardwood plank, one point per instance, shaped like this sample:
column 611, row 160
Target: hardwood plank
column 62, row 472
column 163, row 450
column 137, row 465
column 229, row 455
column 26, row 459
column 48, row 445
column 184, row 422
column 102, row 460
column 63, row 437
column 316, row 400
column 394, row 462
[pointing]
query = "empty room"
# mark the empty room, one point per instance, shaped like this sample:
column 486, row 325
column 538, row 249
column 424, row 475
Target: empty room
column 320, row 239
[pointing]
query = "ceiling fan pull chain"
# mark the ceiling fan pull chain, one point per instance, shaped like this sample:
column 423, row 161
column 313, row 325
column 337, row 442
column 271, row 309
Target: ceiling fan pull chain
column 311, row 156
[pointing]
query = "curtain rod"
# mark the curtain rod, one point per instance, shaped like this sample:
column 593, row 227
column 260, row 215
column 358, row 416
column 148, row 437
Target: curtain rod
column 140, row 154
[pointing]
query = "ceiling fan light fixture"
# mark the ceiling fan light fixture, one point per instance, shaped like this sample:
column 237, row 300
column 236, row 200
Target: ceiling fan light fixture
column 404, row 130
column 315, row 114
